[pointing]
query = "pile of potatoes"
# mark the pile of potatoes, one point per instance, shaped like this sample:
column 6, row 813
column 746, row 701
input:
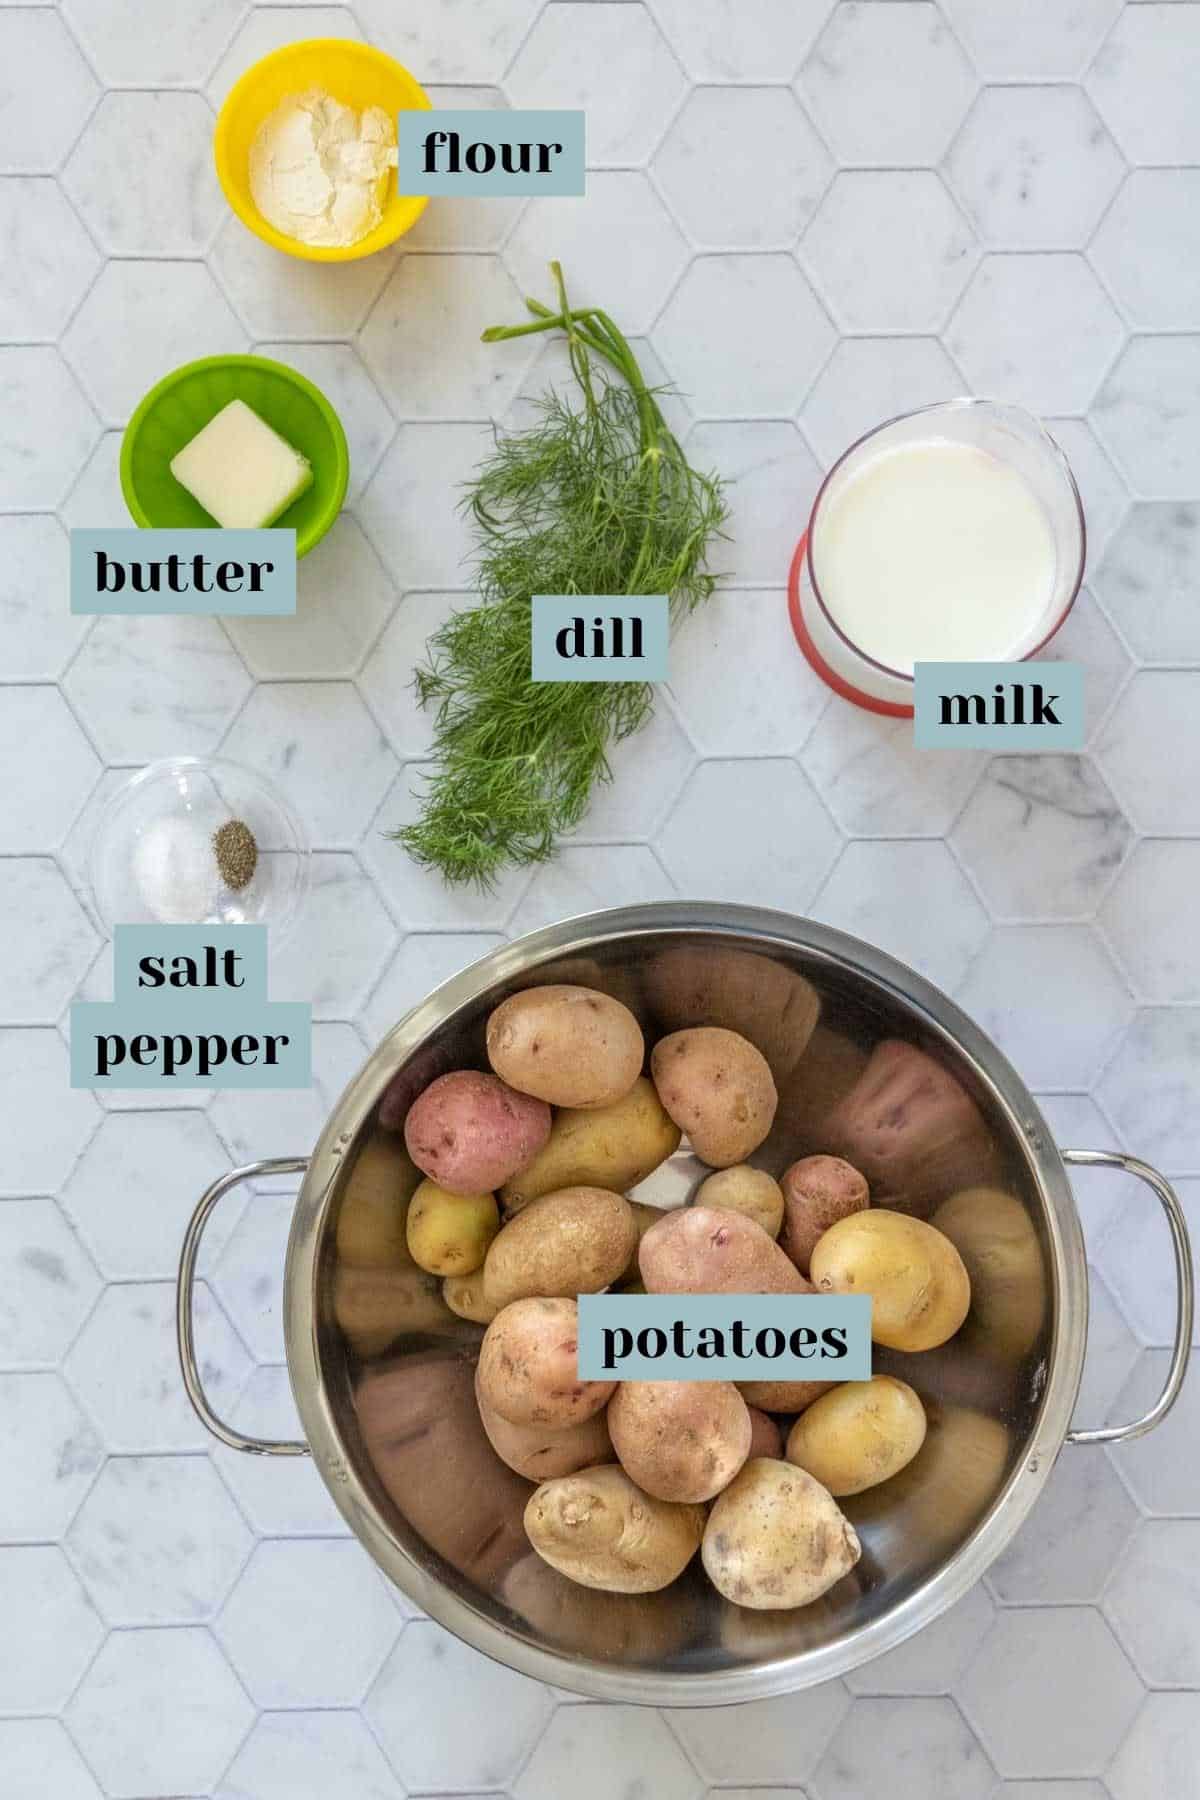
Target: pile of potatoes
column 523, row 1208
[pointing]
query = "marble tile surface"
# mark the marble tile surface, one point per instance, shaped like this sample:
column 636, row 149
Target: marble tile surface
column 811, row 215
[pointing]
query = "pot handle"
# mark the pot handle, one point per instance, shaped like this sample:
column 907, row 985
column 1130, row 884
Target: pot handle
column 1185, row 1289
column 184, row 1323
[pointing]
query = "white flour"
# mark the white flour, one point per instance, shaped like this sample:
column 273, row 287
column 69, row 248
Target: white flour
column 317, row 168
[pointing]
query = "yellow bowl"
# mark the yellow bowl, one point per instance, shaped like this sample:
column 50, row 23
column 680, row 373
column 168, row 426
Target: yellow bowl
column 353, row 73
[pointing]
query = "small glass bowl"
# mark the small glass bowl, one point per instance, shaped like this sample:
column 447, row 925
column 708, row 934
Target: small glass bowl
column 172, row 808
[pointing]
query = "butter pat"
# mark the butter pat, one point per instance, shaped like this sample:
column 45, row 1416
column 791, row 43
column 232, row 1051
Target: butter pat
column 240, row 470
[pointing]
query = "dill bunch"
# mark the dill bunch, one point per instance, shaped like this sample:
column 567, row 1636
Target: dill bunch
column 592, row 498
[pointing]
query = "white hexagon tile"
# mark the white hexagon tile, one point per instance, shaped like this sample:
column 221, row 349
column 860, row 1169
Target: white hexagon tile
column 811, row 215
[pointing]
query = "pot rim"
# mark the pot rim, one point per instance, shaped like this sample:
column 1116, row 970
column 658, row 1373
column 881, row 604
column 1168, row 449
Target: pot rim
column 1006, row 1090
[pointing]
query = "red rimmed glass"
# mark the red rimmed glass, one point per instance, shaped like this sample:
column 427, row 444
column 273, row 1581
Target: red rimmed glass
column 1004, row 431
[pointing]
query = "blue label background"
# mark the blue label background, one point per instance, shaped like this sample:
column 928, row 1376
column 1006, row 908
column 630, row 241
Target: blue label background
column 274, row 544
column 565, row 176
column 192, row 1012
column 933, row 679
column 786, row 1312
column 552, row 611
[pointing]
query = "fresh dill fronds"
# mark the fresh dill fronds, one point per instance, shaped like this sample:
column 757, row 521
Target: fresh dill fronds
column 595, row 498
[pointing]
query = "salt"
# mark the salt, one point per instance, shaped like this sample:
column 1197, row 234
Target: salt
column 175, row 871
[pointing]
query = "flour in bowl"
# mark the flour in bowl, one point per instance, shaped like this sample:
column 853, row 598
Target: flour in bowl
column 318, row 168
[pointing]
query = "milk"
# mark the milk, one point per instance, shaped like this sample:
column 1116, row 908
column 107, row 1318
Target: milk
column 935, row 551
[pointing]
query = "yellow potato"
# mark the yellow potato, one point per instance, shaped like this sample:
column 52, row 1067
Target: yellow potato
column 862, row 1433
column 919, row 1288
column 577, row 1241
column 571, row 1046
column 599, row 1528
column 449, row 1234
column 718, row 1088
column 613, row 1146
column 776, row 1538
column 463, row 1294
column 680, row 1440
column 745, row 1190
column 373, row 1208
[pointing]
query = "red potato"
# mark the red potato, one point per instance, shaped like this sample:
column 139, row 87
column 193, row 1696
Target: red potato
column 470, row 1132
column 817, row 1192
column 766, row 1439
column 699, row 1250
column 529, row 1366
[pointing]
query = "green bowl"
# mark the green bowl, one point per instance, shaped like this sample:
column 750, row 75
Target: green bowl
column 173, row 412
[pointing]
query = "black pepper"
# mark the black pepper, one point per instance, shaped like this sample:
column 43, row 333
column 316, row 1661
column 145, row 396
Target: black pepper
column 236, row 852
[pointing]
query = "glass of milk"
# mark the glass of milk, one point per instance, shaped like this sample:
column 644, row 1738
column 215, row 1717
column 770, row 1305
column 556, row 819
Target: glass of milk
column 952, row 534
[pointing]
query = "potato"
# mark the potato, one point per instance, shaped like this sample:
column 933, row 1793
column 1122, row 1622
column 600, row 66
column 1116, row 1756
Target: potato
column 680, row 1440
column 918, row 1285
column 529, row 1366
column 699, row 1250
column 470, row 1132
column 772, row 1005
column 374, row 1206
column 718, row 1088
column 783, row 1396
column 817, row 1192
column 374, row 1307
column 742, row 1189
column 1003, row 1256
column 912, row 1128
column 423, row 1437
column 570, row 1046
column 859, row 1435
column 599, row 1528
column 539, row 1452
column 577, row 1241
column 463, row 1294
column 449, row 1234
column 604, row 1146
column 776, row 1538
column 766, row 1438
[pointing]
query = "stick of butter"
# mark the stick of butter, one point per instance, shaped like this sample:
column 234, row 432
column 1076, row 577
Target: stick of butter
column 240, row 470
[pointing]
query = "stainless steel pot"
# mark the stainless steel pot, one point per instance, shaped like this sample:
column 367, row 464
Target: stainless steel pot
column 893, row 1076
